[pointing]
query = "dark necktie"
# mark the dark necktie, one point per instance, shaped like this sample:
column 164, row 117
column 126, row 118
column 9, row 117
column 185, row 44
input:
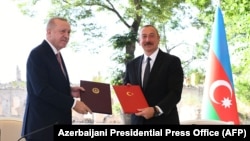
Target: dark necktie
column 59, row 59
column 146, row 72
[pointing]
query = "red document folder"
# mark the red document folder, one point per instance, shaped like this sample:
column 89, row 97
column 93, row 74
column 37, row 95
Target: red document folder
column 97, row 96
column 130, row 97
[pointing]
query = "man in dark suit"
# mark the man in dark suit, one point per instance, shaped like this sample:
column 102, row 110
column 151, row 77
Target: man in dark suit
column 164, row 85
column 50, row 97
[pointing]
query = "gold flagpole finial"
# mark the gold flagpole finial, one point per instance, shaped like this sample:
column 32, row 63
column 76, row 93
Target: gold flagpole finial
column 218, row 3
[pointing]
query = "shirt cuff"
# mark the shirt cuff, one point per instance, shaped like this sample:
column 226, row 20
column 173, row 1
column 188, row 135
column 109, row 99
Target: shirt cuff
column 160, row 110
column 74, row 104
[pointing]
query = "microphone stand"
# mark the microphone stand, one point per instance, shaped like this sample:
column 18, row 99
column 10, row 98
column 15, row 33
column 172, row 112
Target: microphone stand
column 36, row 131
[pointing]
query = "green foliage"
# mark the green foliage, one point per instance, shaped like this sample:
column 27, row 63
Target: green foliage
column 116, row 107
column 117, row 75
column 242, row 89
column 133, row 13
column 16, row 85
column 242, row 76
column 120, row 41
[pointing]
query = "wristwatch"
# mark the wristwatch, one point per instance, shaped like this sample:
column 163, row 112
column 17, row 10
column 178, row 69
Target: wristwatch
column 156, row 112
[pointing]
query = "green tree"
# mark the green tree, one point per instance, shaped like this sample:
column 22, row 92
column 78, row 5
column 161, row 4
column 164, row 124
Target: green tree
column 131, row 14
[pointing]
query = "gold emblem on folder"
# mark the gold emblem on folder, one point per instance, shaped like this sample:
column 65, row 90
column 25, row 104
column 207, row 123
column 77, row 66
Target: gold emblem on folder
column 129, row 93
column 95, row 90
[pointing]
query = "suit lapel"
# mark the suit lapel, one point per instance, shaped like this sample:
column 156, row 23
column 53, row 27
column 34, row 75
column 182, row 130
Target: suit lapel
column 51, row 54
column 140, row 70
column 156, row 65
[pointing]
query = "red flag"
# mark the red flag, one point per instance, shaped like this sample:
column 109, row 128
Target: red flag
column 219, row 102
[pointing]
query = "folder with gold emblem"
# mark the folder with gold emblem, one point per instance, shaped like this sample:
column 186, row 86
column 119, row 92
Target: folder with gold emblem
column 130, row 97
column 97, row 96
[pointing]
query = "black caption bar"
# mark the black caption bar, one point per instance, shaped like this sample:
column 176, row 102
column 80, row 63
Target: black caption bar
column 80, row 132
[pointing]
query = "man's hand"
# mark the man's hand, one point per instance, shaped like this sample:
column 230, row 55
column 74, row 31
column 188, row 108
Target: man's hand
column 76, row 91
column 147, row 113
column 82, row 108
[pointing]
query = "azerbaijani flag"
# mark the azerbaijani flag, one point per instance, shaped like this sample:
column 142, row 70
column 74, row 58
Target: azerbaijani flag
column 219, row 102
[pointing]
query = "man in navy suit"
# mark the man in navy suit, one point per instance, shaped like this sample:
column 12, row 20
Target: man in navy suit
column 163, row 88
column 50, row 97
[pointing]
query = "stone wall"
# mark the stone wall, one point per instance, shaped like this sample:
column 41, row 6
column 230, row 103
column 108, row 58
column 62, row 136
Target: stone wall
column 12, row 102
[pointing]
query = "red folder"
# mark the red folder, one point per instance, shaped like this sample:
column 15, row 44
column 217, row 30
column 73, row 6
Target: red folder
column 130, row 97
column 97, row 96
